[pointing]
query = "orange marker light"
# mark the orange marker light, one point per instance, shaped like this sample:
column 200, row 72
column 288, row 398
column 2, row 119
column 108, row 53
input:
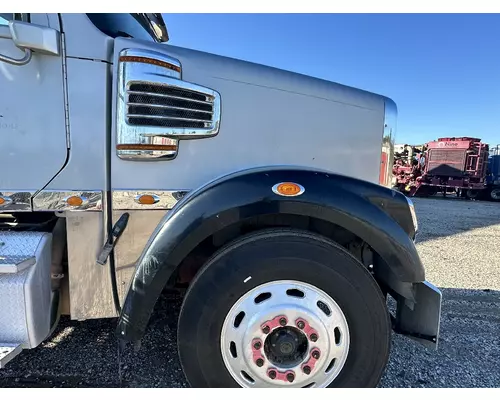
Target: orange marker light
column 147, row 60
column 74, row 201
column 147, row 199
column 288, row 189
column 2, row 201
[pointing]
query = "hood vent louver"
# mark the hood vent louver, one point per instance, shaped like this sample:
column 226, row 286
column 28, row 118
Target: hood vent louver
column 155, row 108
column 166, row 106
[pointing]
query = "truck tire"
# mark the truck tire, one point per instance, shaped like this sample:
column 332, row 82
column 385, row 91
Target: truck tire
column 284, row 308
column 494, row 193
column 472, row 194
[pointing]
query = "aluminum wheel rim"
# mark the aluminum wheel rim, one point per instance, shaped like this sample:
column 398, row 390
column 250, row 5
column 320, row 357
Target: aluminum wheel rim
column 495, row 194
column 306, row 309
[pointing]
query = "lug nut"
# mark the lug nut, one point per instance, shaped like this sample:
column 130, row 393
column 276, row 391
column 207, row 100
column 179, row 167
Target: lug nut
column 282, row 321
column 259, row 362
column 301, row 324
column 290, row 377
column 315, row 354
column 306, row 369
column 313, row 337
column 257, row 345
column 266, row 329
column 272, row 374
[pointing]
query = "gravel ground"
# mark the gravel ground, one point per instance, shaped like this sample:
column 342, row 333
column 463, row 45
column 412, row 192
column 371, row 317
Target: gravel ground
column 458, row 243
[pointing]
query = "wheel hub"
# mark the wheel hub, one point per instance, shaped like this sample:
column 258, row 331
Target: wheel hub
column 296, row 337
column 286, row 347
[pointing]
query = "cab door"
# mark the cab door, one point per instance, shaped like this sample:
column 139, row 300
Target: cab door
column 33, row 145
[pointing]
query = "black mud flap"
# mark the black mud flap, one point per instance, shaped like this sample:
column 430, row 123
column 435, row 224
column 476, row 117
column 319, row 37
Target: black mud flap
column 420, row 320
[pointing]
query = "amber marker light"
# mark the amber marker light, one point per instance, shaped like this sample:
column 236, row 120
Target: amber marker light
column 5, row 201
column 74, row 201
column 147, row 199
column 288, row 189
column 147, row 60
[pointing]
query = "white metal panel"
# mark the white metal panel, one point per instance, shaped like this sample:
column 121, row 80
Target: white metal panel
column 84, row 40
column 269, row 117
column 88, row 83
column 32, row 123
column 42, row 19
column 53, row 20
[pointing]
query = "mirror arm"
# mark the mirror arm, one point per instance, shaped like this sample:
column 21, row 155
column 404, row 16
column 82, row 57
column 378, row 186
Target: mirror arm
column 17, row 61
column 5, row 33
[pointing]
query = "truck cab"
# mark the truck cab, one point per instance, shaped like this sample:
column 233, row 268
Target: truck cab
column 132, row 166
column 493, row 174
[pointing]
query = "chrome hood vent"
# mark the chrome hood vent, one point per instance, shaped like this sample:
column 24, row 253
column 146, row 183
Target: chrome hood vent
column 155, row 108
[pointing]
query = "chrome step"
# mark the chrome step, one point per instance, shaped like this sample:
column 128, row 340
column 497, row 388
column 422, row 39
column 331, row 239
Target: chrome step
column 8, row 352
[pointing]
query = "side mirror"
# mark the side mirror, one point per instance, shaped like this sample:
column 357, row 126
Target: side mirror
column 35, row 37
column 30, row 37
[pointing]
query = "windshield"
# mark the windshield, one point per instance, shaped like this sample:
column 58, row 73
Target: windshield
column 137, row 26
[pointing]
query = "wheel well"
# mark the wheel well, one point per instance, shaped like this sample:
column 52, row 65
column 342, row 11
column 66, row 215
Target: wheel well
column 197, row 257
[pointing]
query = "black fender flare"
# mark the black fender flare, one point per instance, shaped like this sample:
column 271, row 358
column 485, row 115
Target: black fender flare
column 378, row 215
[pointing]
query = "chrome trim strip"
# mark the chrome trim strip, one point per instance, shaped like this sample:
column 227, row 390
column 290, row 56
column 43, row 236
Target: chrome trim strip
column 55, row 200
column 143, row 153
column 147, row 155
column 16, row 201
column 166, row 117
column 127, row 199
column 130, row 72
column 65, row 90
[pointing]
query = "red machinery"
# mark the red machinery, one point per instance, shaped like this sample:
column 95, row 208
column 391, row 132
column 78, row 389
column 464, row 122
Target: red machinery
column 407, row 168
column 447, row 164
column 455, row 163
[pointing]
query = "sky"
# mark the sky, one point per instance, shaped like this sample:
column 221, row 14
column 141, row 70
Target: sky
column 442, row 70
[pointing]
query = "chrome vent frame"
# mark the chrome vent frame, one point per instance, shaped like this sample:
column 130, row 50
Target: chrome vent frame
column 388, row 141
column 160, row 72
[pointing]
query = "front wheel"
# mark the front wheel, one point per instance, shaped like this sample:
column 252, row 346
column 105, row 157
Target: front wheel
column 284, row 308
column 494, row 193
